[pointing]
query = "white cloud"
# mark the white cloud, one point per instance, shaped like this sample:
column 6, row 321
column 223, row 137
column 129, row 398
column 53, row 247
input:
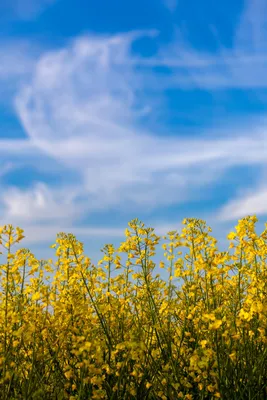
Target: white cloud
column 252, row 202
column 252, row 30
column 82, row 110
column 242, row 66
column 6, row 167
column 18, row 58
column 38, row 204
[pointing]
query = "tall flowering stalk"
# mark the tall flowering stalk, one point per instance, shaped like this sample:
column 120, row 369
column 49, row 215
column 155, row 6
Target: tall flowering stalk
column 85, row 333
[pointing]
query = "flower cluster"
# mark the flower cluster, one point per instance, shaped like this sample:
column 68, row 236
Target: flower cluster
column 82, row 333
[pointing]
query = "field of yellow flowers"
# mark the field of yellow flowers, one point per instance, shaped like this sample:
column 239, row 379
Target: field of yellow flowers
column 84, row 334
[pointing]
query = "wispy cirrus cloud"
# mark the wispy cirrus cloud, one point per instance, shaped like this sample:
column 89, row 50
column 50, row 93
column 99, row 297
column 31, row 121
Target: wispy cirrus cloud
column 83, row 108
column 242, row 66
column 18, row 59
column 251, row 32
column 248, row 202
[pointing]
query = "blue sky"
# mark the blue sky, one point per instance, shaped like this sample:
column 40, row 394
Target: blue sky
column 114, row 110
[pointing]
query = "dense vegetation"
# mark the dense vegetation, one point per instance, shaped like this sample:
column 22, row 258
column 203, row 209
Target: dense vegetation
column 85, row 334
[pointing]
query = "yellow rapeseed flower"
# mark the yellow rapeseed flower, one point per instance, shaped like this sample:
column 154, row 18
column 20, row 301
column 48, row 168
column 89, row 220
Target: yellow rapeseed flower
column 210, row 388
column 36, row 296
column 233, row 356
column 216, row 325
column 231, row 236
column 68, row 374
